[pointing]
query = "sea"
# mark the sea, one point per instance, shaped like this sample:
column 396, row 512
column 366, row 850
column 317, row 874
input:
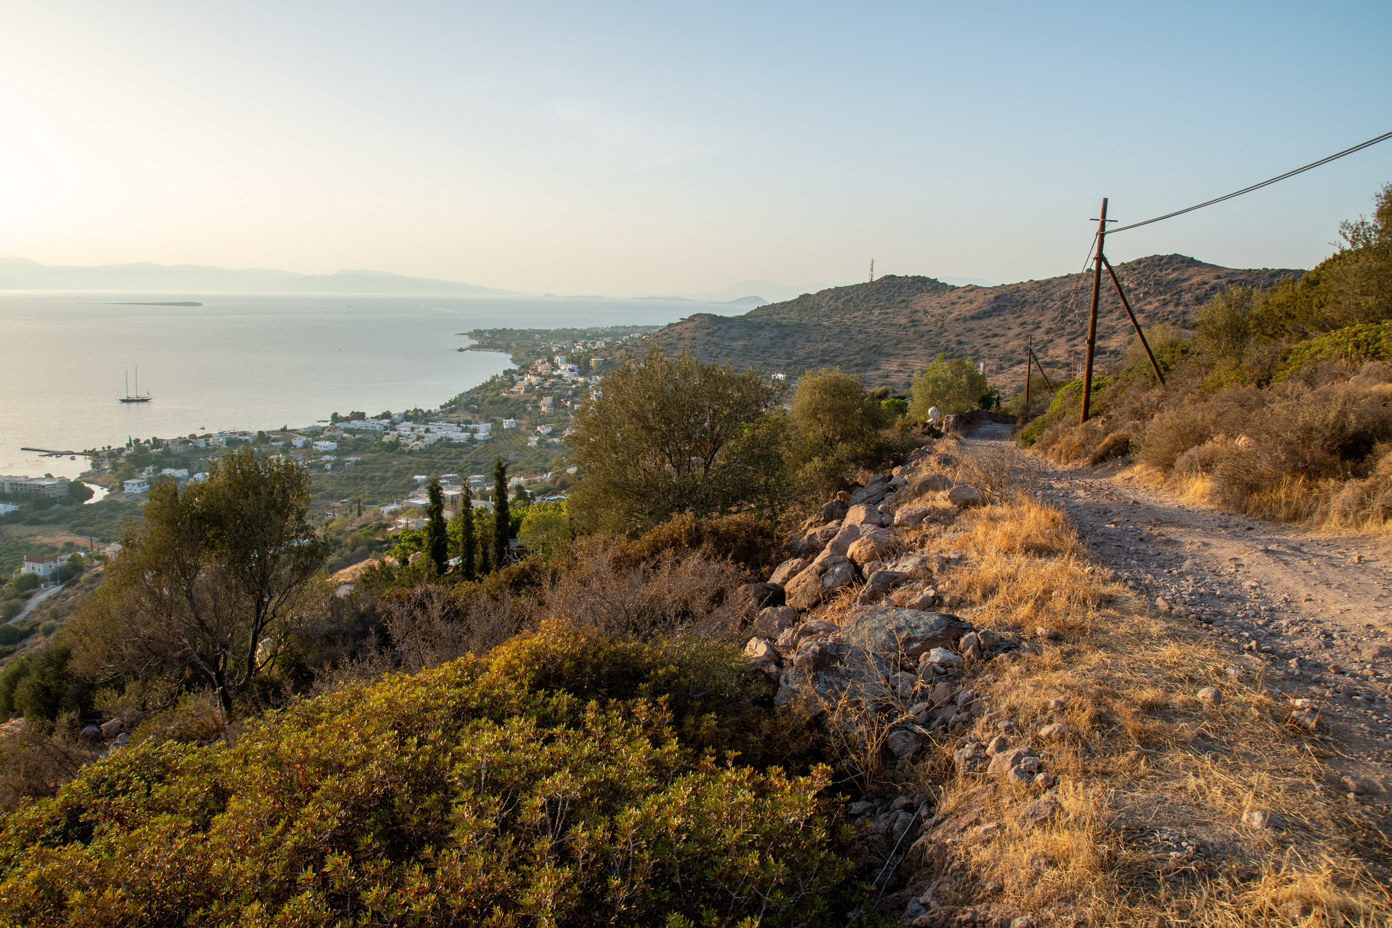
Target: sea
column 251, row 360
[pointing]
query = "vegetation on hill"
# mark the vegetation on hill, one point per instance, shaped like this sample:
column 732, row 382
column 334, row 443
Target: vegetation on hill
column 1279, row 405
column 888, row 330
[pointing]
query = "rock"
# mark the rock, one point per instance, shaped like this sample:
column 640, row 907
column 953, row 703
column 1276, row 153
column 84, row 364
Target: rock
column 91, row 734
column 999, row 745
column 857, row 809
column 942, row 694
column 1045, row 780
column 1014, row 758
column 774, row 621
column 1163, row 605
column 970, row 757
column 970, row 647
column 1019, row 777
column 1024, row 921
column 933, row 483
column 1039, row 812
column 1057, row 731
column 826, row 575
column 889, row 630
column 792, row 638
column 841, row 542
column 964, row 495
column 921, row 601
column 111, row 729
column 821, row 536
column 1360, row 786
column 1047, row 633
column 864, row 514
column 1257, row 818
column 874, row 492
column 941, row 657
column 879, row 585
column 919, row 566
column 788, row 570
column 903, row 684
column 874, row 544
column 903, row 743
column 761, row 595
column 1211, row 696
column 835, row 510
column 912, row 516
column 759, row 649
column 826, row 670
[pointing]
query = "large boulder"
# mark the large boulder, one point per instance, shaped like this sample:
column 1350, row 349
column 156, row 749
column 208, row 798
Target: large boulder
column 864, row 514
column 933, row 483
column 773, row 621
column 912, row 516
column 879, row 585
column 906, row 633
column 875, row 544
column 826, row 671
column 841, row 542
column 835, row 510
column 788, row 570
column 873, row 492
column 964, row 495
column 757, row 596
column 826, row 575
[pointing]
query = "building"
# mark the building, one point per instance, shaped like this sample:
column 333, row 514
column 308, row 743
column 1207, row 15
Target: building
column 47, row 487
column 137, row 486
column 44, row 567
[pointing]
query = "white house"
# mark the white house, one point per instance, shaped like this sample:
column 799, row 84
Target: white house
column 325, row 445
column 509, row 423
column 137, row 486
column 45, row 567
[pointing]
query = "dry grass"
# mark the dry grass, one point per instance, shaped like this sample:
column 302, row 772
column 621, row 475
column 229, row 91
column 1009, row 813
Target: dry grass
column 1154, row 783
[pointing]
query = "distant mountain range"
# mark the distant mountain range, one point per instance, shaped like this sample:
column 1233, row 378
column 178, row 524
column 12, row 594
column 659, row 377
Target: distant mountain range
column 888, row 330
column 23, row 274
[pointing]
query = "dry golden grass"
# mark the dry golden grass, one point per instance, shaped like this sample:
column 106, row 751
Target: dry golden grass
column 1154, row 783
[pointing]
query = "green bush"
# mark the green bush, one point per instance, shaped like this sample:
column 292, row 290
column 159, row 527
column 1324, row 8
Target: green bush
column 534, row 788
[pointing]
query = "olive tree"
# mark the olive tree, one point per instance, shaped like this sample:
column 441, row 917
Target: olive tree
column 837, row 427
column 210, row 583
column 670, row 435
column 952, row 386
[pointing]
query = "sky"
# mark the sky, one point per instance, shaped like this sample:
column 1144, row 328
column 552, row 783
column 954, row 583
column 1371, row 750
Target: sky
column 650, row 148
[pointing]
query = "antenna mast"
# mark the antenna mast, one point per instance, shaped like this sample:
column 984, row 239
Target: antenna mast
column 872, row 270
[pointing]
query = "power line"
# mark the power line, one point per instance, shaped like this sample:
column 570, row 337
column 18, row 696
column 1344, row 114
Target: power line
column 1266, row 183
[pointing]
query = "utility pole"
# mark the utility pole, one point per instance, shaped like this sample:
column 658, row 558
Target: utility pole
column 1092, row 315
column 872, row 270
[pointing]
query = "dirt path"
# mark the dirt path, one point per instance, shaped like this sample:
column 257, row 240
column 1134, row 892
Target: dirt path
column 1310, row 615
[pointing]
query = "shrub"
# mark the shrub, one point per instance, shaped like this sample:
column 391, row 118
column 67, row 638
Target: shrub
column 532, row 788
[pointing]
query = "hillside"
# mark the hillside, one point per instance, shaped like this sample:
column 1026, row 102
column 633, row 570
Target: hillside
column 887, row 330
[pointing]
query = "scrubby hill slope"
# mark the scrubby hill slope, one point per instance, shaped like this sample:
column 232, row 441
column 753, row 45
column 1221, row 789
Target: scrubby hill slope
column 887, row 330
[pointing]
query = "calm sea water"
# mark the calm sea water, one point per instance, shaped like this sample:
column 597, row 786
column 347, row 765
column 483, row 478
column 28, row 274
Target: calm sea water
column 249, row 361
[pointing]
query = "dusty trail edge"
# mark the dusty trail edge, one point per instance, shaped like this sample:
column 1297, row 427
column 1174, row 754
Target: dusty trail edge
column 1308, row 615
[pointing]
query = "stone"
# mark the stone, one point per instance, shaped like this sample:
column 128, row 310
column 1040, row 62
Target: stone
column 999, row 745
column 874, row 492
column 964, row 495
column 1305, row 719
column 941, row 657
column 1360, row 786
column 825, row 670
column 864, row 514
column 1047, row 633
column 903, row 744
column 91, row 734
column 920, row 566
column 942, row 694
column 970, row 757
column 874, row 544
column 1211, row 696
column 1057, row 731
column 1039, row 812
column 774, row 621
column 933, row 483
column 841, row 542
column 1019, row 777
column 788, row 570
column 1045, row 780
column 1258, row 818
column 920, row 601
column 1005, row 761
column 110, row 729
column 912, row 516
column 826, row 575
column 909, row 633
column 759, row 649
column 793, row 637
column 1024, row 921
column 970, row 647
column 880, row 584
column 835, row 510
column 903, row 684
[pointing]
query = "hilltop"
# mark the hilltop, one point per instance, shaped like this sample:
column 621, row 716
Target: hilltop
column 888, row 329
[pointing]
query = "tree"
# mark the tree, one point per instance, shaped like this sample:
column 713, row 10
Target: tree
column 1223, row 325
column 545, row 529
column 468, row 568
column 668, row 435
column 210, row 584
column 952, row 386
column 502, row 518
column 436, row 535
column 837, row 427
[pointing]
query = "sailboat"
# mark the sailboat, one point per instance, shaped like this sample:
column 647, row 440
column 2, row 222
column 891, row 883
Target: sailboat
column 135, row 397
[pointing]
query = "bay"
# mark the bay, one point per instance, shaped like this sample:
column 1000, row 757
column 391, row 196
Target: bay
column 250, row 360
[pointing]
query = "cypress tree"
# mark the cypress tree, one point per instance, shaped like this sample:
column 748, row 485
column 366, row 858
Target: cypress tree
column 436, row 536
column 467, row 542
column 502, row 519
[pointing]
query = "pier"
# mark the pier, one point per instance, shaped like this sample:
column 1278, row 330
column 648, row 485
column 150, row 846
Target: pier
column 50, row 453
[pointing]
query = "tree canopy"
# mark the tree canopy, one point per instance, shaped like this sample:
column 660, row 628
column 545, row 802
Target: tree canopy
column 952, row 386
column 210, row 584
column 669, row 435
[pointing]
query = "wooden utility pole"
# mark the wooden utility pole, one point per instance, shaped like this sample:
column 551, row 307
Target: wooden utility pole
column 1155, row 365
column 1029, row 353
column 1092, row 316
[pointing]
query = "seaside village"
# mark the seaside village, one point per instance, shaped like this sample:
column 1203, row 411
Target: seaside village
column 538, row 398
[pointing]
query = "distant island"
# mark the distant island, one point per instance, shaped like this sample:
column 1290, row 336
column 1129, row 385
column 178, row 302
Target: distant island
column 167, row 303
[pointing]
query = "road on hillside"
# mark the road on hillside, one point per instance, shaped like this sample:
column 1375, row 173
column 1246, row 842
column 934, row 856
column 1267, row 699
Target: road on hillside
column 1307, row 615
column 34, row 601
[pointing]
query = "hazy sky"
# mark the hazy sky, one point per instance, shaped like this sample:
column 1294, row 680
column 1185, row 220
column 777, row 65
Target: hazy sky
column 628, row 148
